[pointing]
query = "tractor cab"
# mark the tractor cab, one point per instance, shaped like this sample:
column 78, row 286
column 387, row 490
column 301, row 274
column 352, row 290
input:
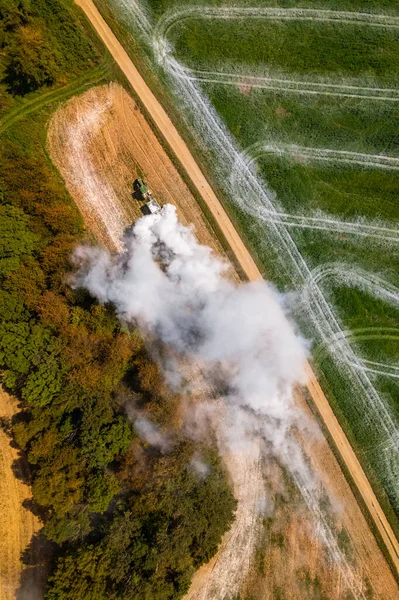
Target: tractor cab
column 140, row 186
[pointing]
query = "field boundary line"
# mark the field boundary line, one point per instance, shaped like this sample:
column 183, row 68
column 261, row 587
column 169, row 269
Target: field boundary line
column 183, row 154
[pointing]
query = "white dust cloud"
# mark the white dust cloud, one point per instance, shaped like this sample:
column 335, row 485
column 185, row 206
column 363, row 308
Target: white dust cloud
column 177, row 291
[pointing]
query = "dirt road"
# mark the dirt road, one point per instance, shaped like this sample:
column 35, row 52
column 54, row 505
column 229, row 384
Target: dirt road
column 246, row 262
column 17, row 524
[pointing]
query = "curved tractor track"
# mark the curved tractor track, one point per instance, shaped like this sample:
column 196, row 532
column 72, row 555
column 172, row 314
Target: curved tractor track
column 327, row 223
column 279, row 83
column 364, row 334
column 247, row 264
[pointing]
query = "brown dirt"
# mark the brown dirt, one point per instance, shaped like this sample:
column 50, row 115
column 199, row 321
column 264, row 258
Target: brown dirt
column 246, row 262
column 282, row 112
column 245, row 88
column 17, row 524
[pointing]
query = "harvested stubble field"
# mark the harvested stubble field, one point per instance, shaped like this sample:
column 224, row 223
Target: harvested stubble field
column 322, row 217
column 285, row 558
column 109, row 145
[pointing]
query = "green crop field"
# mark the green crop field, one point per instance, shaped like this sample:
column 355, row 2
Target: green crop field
column 295, row 46
column 294, row 109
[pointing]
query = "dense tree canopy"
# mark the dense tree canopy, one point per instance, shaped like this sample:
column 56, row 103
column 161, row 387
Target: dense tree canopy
column 30, row 61
column 40, row 41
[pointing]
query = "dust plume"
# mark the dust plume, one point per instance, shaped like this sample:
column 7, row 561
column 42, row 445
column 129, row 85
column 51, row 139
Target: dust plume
column 238, row 337
column 178, row 292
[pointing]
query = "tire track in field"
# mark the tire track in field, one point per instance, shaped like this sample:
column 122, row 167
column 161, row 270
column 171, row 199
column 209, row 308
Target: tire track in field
column 295, row 86
column 382, row 232
column 329, row 328
column 364, row 334
column 170, row 18
column 375, row 161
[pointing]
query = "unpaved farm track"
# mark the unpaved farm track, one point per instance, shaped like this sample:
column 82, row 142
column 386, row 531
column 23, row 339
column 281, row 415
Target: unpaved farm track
column 247, row 264
column 17, row 524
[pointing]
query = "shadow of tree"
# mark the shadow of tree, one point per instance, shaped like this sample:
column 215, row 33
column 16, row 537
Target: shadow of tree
column 20, row 468
column 37, row 560
column 36, row 509
column 6, row 425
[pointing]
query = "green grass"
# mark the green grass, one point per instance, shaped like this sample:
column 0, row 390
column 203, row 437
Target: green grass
column 341, row 50
column 342, row 190
column 316, row 121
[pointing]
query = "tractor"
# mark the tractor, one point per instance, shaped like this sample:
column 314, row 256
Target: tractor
column 141, row 189
column 142, row 192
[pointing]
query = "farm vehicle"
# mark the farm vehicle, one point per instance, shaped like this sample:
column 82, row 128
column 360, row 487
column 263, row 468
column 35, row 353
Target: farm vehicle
column 143, row 192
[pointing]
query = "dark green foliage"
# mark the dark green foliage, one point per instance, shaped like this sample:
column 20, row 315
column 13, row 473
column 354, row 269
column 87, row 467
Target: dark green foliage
column 16, row 239
column 167, row 528
column 101, row 446
column 42, row 44
column 30, row 62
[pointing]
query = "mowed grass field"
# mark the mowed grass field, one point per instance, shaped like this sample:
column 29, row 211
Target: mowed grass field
column 313, row 107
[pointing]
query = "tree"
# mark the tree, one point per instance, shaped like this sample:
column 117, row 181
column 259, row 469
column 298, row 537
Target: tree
column 27, row 281
column 30, row 62
column 60, row 482
column 101, row 447
column 13, row 14
column 82, row 576
column 53, row 310
column 101, row 488
column 12, row 308
column 44, row 382
column 16, row 239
